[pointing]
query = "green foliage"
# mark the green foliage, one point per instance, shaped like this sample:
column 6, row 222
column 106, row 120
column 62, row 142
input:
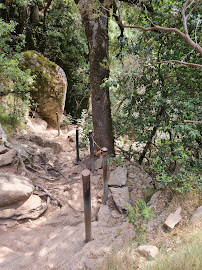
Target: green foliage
column 60, row 37
column 186, row 256
column 118, row 160
column 14, row 81
column 66, row 45
column 139, row 215
column 150, row 102
column 87, row 124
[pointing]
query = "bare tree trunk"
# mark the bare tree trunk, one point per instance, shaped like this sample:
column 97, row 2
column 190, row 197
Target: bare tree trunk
column 96, row 29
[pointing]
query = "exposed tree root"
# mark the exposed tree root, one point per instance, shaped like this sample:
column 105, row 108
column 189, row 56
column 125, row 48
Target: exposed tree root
column 49, row 194
column 30, row 214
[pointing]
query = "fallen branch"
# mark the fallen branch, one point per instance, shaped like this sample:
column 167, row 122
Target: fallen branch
column 49, row 194
column 59, row 171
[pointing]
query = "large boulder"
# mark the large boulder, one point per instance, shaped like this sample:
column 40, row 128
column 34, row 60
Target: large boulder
column 50, row 86
column 14, row 188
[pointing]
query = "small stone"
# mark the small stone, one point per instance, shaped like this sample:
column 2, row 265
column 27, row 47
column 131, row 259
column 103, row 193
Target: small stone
column 98, row 164
column 154, row 198
column 118, row 177
column 173, row 219
column 197, row 214
column 31, row 203
column 95, row 179
column 3, row 149
column 116, row 214
column 131, row 175
column 71, row 135
column 100, row 194
column 7, row 158
column 100, row 171
column 149, row 252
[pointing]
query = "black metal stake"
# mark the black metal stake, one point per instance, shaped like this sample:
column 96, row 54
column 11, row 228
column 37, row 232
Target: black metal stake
column 87, row 203
column 104, row 154
column 77, row 145
column 58, row 126
column 91, row 151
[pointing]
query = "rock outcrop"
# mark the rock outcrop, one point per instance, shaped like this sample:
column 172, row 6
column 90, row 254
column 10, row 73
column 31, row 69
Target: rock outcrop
column 14, row 188
column 50, row 86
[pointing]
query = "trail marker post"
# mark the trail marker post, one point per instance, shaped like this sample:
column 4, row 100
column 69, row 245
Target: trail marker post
column 105, row 181
column 77, row 145
column 91, row 151
column 87, row 203
column 58, row 125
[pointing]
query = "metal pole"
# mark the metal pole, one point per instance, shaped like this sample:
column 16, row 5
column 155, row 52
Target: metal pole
column 77, row 145
column 58, row 126
column 91, row 151
column 87, row 203
column 104, row 154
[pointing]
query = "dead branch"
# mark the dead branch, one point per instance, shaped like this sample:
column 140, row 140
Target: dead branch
column 184, row 35
column 195, row 122
column 59, row 171
column 49, row 194
column 178, row 62
column 38, row 173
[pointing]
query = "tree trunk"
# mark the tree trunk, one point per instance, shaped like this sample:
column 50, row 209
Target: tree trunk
column 96, row 29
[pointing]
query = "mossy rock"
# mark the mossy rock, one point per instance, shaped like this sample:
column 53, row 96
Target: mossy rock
column 50, row 86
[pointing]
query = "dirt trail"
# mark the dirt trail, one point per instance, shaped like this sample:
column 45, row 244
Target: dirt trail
column 56, row 239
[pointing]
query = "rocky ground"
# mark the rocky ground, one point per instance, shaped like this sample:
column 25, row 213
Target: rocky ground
column 46, row 230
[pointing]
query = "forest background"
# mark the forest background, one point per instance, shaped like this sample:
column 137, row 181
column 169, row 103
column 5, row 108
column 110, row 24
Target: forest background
column 153, row 77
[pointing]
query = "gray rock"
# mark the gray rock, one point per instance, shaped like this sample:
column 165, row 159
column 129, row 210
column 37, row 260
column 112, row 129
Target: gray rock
column 118, row 177
column 50, row 85
column 149, row 252
column 197, row 214
column 173, row 219
column 131, row 175
column 71, row 135
column 103, row 214
column 116, row 214
column 22, row 207
column 95, row 179
column 100, row 172
column 57, row 148
column 98, row 164
column 14, row 188
column 154, row 198
column 3, row 149
column 36, row 124
column 7, row 158
column 121, row 197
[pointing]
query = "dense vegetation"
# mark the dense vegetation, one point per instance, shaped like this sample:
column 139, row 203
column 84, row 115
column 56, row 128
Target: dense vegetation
column 150, row 97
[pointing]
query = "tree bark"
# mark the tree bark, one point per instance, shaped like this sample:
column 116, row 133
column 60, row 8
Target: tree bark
column 96, row 29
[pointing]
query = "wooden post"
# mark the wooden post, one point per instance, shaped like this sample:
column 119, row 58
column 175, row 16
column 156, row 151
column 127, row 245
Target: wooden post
column 87, row 203
column 58, row 125
column 105, row 181
column 91, row 151
column 77, row 145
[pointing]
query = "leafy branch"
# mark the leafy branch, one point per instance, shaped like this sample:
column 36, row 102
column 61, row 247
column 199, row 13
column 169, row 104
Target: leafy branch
column 187, row 7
